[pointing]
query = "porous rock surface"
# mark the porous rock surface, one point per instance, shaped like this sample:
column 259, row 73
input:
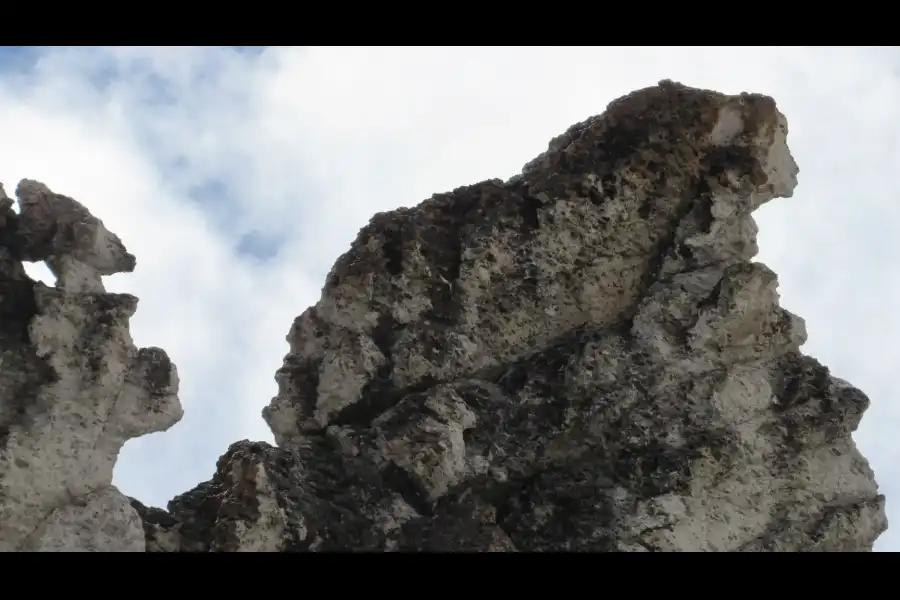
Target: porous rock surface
column 581, row 358
column 73, row 387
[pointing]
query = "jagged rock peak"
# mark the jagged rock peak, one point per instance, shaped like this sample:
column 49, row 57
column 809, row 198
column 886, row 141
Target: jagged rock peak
column 659, row 187
column 582, row 358
column 73, row 387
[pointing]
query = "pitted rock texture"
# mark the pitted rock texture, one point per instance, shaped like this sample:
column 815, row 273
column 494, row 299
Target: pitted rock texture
column 73, row 387
column 582, row 358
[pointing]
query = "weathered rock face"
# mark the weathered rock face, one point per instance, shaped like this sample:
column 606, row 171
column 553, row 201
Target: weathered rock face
column 73, row 388
column 581, row 358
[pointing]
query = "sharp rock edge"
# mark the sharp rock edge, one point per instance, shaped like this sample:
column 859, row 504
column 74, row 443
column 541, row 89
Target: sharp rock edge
column 583, row 358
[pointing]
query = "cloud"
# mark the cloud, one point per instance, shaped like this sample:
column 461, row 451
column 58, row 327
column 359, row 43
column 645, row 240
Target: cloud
column 237, row 176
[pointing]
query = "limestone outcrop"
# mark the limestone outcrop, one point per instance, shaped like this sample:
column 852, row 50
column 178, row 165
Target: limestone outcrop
column 73, row 387
column 582, row 358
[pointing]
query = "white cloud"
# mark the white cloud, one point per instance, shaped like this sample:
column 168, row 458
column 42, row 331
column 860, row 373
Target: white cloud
column 184, row 151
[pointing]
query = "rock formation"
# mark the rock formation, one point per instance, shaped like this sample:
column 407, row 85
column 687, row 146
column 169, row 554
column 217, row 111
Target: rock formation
column 73, row 388
column 581, row 358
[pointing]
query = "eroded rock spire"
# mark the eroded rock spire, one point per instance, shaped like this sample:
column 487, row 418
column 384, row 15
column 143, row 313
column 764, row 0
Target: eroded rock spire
column 73, row 388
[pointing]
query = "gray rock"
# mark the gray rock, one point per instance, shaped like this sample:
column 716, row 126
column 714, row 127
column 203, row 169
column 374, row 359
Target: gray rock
column 74, row 244
column 582, row 358
column 73, row 388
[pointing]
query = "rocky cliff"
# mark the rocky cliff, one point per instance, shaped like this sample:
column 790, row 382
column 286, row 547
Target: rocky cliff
column 581, row 358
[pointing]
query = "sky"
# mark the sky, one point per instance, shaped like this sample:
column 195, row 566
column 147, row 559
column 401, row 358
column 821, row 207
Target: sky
column 237, row 175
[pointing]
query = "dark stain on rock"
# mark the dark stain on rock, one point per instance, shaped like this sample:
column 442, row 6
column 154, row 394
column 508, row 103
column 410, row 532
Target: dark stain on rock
column 530, row 220
column 797, row 379
column 379, row 393
column 439, row 237
column 157, row 367
column 23, row 372
column 17, row 308
column 566, row 509
column 409, row 489
column 393, row 248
